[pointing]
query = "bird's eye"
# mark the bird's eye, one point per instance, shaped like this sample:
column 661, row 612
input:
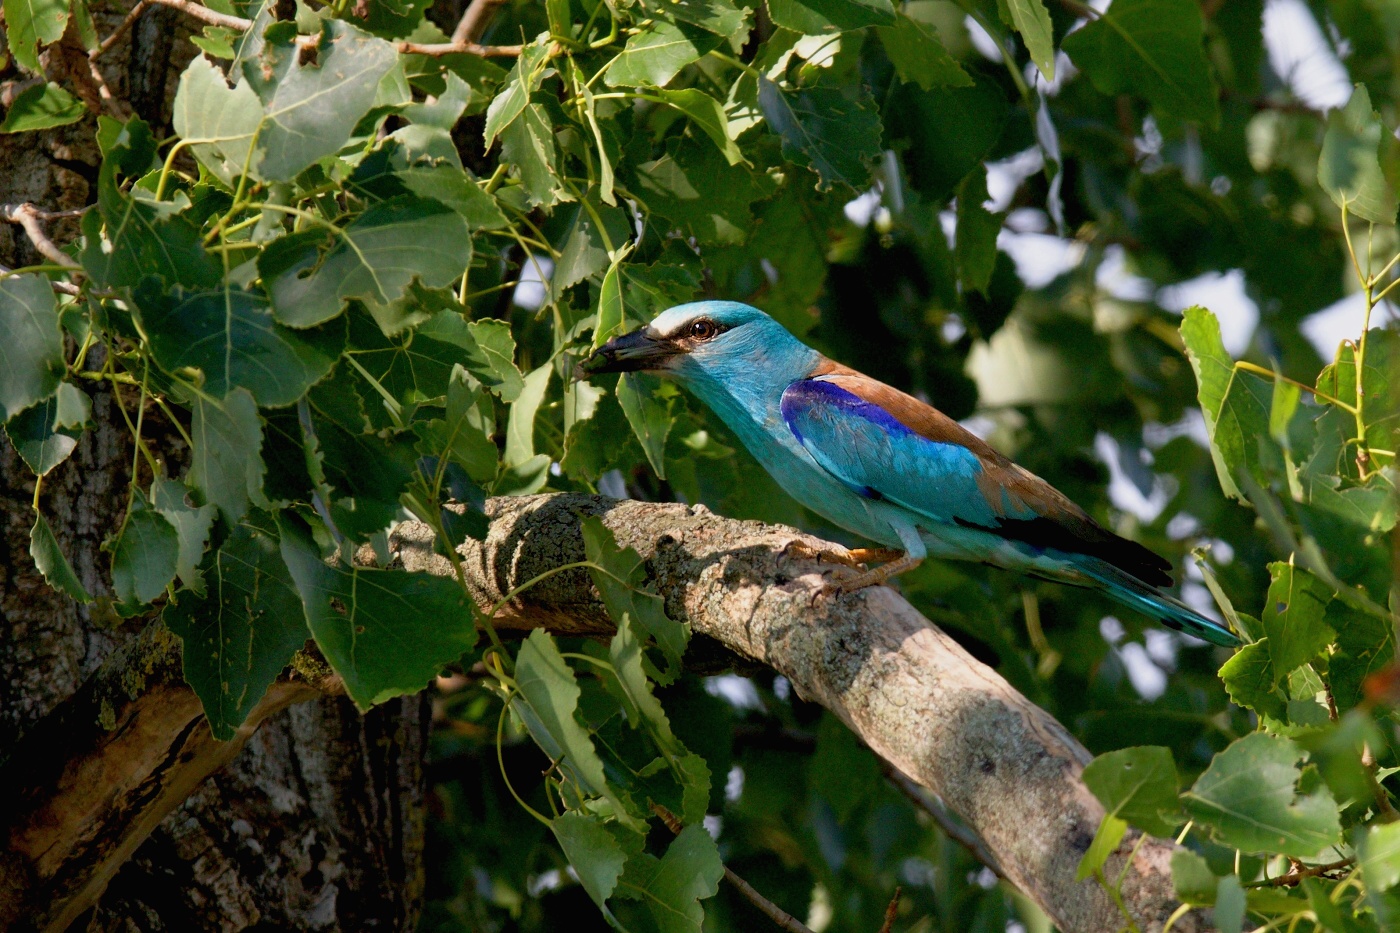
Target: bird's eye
column 703, row 329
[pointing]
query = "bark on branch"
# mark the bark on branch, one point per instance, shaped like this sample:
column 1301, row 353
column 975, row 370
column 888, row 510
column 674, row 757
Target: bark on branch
column 90, row 781
column 936, row 714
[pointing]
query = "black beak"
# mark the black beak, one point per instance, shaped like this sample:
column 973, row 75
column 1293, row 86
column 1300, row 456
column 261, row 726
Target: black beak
column 628, row 353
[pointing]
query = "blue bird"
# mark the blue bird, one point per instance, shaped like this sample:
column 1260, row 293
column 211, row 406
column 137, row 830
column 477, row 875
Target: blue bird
column 886, row 466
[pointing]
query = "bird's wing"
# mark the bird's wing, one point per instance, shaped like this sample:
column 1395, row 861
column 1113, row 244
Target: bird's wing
column 885, row 444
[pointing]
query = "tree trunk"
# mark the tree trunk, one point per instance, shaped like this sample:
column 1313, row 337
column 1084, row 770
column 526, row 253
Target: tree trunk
column 318, row 822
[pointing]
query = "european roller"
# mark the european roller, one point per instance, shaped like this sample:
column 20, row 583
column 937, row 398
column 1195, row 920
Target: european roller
column 883, row 464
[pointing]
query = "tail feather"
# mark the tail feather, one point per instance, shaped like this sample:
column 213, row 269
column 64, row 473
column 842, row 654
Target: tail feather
column 1150, row 601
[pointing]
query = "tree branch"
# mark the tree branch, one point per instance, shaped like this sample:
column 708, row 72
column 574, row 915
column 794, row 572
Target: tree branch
column 89, row 782
column 953, row 725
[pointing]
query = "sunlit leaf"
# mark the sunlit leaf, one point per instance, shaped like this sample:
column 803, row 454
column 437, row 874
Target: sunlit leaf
column 1249, row 799
column 41, row 107
column 1138, row 785
column 655, row 55
column 814, row 17
column 52, row 563
column 669, row 889
column 1349, row 167
column 919, row 57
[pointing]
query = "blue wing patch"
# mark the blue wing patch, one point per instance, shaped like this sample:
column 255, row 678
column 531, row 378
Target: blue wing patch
column 877, row 456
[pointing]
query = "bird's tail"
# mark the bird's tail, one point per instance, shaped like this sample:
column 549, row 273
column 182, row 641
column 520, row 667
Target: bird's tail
column 1150, row 601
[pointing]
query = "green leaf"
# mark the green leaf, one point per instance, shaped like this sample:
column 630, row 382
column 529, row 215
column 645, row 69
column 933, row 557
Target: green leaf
column 1106, row 838
column 192, row 524
column 463, row 434
column 1349, row 167
column 143, row 556
column 708, row 114
column 217, row 122
column 976, row 244
column 386, row 174
column 1192, row 879
column 1380, row 384
column 1234, row 425
column 386, row 632
column 610, row 307
column 586, row 246
column 374, row 259
column 1151, row 48
column 1365, row 644
column 31, row 355
column 520, row 425
column 948, row 131
column 41, row 107
column 49, row 558
column 488, row 351
column 546, row 700
column 650, row 417
column 1379, row 856
column 1250, row 682
column 132, row 235
column 919, row 57
column 314, row 107
column 232, row 338
column 1229, row 905
column 620, row 587
column 239, row 636
column 1248, row 798
column 527, row 144
column 694, row 187
column 721, row 17
column 816, row 17
column 367, row 474
column 596, row 856
column 1292, row 618
column 1138, row 785
column 226, row 465
column 47, row 433
column 514, row 98
column 671, row 888
column 657, row 53
column 835, row 133
column 32, row 23
column 1281, row 412
column 1032, row 21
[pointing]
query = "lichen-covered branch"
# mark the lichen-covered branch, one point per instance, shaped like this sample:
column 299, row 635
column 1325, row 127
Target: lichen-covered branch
column 953, row 725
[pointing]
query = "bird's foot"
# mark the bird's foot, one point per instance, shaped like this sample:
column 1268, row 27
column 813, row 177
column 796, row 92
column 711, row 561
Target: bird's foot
column 878, row 576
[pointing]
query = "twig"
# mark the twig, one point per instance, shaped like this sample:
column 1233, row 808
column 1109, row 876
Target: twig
column 472, row 26
column 1301, row 871
column 455, row 48
column 120, row 31
column 206, row 15
column 945, row 819
column 27, row 216
column 891, row 911
column 775, row 913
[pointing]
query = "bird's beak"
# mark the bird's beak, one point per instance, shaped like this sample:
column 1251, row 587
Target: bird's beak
column 627, row 353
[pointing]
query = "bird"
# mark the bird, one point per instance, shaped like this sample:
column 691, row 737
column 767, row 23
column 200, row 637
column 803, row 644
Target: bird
column 884, row 465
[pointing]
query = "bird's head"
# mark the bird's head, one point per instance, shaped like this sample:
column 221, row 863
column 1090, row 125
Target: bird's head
column 700, row 337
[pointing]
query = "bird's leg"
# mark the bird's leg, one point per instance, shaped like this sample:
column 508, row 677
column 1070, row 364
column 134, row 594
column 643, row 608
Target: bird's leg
column 865, row 555
column 855, row 559
column 880, row 574
column 899, row 562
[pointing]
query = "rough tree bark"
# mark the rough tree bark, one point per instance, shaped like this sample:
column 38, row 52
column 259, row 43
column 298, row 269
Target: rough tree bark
column 934, row 713
column 921, row 702
column 317, row 824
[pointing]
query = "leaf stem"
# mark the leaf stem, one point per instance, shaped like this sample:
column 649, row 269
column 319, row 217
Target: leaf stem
column 501, row 761
column 1270, row 374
